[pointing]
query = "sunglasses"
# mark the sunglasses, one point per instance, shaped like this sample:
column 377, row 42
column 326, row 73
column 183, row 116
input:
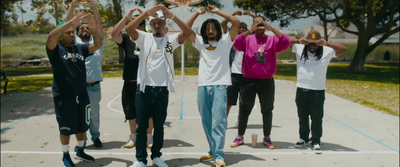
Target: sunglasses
column 83, row 28
column 312, row 44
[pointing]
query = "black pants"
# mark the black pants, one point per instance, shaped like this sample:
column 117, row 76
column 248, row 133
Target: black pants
column 265, row 89
column 310, row 103
column 152, row 103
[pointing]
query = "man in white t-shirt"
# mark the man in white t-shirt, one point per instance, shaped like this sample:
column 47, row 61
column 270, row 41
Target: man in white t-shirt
column 313, row 55
column 214, row 77
column 155, row 78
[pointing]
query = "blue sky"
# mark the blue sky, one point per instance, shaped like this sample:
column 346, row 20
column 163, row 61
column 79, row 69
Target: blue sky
column 228, row 7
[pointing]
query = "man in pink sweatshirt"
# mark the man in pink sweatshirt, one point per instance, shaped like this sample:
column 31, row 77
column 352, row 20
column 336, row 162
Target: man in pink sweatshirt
column 258, row 68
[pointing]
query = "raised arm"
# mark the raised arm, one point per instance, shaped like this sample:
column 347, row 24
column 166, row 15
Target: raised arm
column 54, row 35
column 339, row 48
column 269, row 28
column 116, row 31
column 131, row 27
column 96, row 13
column 71, row 10
column 186, row 31
column 190, row 22
column 224, row 23
column 248, row 13
column 97, row 37
column 234, row 20
column 97, row 17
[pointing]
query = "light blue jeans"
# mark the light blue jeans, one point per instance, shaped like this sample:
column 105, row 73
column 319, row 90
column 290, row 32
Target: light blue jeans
column 94, row 97
column 212, row 107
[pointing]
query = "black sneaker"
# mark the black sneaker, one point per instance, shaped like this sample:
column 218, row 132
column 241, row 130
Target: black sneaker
column 81, row 155
column 300, row 144
column 97, row 143
column 66, row 160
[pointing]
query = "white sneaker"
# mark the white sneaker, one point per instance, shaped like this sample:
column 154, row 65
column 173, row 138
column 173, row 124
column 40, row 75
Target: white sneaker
column 317, row 149
column 159, row 162
column 138, row 164
column 131, row 141
column 149, row 140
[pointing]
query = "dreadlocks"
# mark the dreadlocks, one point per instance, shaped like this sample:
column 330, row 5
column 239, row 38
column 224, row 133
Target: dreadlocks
column 318, row 53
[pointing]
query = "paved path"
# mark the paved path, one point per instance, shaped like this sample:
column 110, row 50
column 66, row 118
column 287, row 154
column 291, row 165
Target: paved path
column 354, row 135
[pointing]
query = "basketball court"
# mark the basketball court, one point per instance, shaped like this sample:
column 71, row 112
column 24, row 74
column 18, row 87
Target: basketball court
column 354, row 135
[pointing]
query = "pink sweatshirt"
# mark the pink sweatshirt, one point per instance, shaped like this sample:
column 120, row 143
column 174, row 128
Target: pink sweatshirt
column 256, row 65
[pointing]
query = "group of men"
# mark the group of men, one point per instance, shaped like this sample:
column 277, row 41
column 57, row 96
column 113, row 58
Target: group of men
column 247, row 69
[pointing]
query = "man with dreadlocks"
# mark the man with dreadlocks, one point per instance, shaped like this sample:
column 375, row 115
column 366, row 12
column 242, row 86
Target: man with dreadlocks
column 313, row 55
column 214, row 77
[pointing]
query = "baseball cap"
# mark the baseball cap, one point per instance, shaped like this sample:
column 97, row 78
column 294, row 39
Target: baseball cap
column 159, row 14
column 61, row 23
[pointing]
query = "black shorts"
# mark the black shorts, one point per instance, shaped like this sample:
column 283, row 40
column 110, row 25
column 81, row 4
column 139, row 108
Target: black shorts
column 234, row 89
column 129, row 99
column 72, row 114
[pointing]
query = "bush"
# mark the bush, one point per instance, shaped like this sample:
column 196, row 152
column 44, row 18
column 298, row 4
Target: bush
column 14, row 30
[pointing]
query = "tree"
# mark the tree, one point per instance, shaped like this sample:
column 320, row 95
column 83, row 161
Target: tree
column 370, row 17
column 216, row 3
column 56, row 8
column 7, row 6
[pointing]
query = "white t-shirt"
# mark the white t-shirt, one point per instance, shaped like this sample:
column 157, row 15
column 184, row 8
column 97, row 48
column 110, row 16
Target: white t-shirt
column 311, row 74
column 214, row 61
column 157, row 76
column 237, row 63
column 156, row 63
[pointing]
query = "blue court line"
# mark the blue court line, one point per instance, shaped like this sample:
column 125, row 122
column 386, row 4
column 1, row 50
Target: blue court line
column 181, row 115
column 361, row 133
column 26, row 118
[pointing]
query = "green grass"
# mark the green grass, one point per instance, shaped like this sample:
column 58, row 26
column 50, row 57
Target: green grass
column 377, row 88
column 28, row 84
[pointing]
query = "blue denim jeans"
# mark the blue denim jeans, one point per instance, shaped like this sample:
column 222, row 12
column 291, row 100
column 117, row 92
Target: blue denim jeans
column 152, row 103
column 212, row 102
column 94, row 97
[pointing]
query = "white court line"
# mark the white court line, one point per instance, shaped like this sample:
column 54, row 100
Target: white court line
column 112, row 101
column 202, row 153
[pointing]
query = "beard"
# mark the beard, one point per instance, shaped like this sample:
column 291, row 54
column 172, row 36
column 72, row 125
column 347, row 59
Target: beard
column 212, row 38
column 85, row 36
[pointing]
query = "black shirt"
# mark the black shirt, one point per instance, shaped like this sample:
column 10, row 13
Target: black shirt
column 131, row 64
column 69, row 71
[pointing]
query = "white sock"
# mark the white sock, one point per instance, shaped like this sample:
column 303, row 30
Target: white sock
column 65, row 148
column 80, row 143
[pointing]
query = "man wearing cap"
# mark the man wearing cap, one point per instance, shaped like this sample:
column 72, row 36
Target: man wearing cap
column 93, row 64
column 71, row 101
column 131, row 66
column 155, row 77
column 313, row 55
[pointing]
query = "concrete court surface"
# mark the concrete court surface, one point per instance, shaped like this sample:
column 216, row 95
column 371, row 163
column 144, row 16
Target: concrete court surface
column 354, row 135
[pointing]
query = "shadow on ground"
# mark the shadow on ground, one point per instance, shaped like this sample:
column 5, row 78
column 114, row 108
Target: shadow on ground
column 104, row 162
column 17, row 106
